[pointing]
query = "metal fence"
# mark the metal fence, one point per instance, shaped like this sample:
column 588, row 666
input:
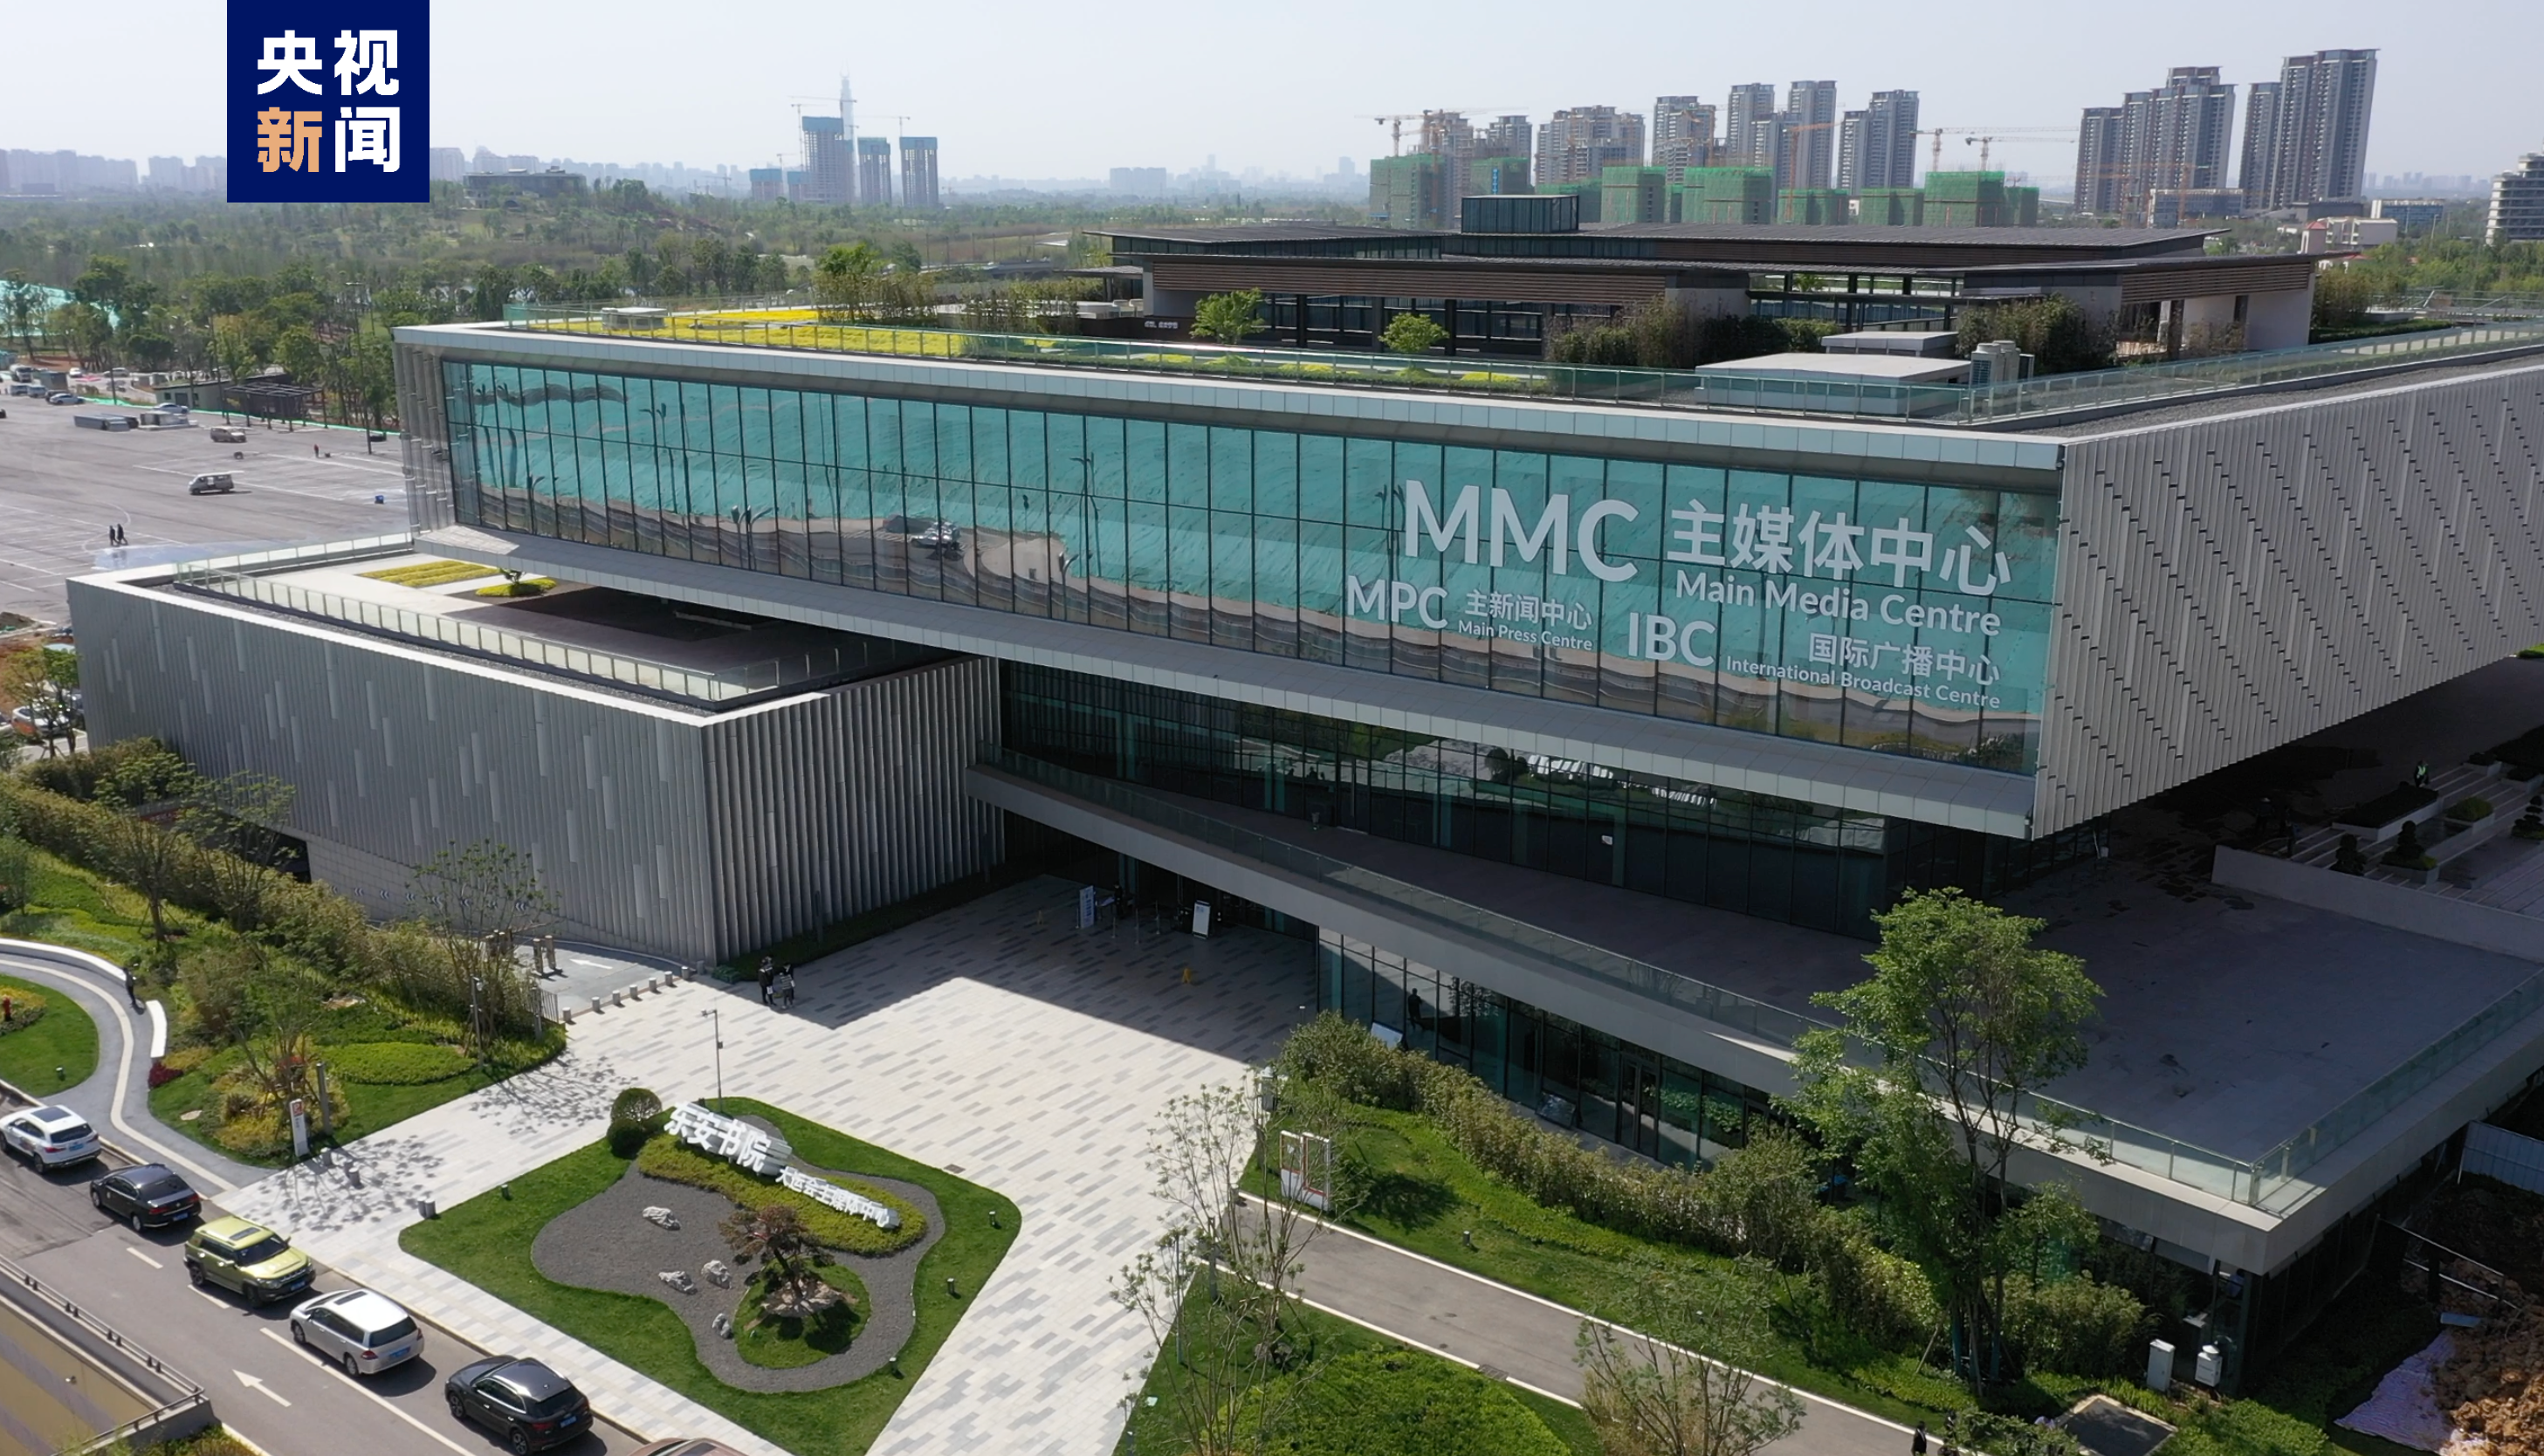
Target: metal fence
column 167, row 1418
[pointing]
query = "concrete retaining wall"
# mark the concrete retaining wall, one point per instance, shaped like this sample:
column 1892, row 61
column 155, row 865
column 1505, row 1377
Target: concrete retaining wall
column 2401, row 906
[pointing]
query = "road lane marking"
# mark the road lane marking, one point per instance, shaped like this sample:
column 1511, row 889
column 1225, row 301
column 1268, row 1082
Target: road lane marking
column 145, row 1258
column 259, row 1386
column 216, row 1301
column 385, row 1402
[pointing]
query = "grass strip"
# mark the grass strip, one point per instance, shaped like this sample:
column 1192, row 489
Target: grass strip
column 487, row 1241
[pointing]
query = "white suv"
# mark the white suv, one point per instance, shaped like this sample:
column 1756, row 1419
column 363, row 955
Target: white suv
column 363, row 1331
column 49, row 1137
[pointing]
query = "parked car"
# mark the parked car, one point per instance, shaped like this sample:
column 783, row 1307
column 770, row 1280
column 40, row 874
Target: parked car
column 229, row 434
column 528, row 1405
column 363, row 1332
column 250, row 1259
column 63, row 397
column 150, row 1194
column 212, row 483
column 49, row 1136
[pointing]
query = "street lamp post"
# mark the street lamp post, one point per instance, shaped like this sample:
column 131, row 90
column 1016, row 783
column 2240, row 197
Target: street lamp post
column 713, row 1016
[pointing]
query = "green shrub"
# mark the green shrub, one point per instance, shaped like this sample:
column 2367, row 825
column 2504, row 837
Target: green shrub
column 667, row 1159
column 1406, row 1404
column 2011, row 1435
column 393, row 1063
column 634, row 1117
column 2077, row 1327
column 1879, row 1295
column 1545, row 1164
column 25, row 1008
column 2469, row 811
column 138, row 770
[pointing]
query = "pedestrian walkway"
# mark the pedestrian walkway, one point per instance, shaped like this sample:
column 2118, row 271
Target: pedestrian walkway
column 116, row 1097
column 1516, row 1336
column 995, row 1041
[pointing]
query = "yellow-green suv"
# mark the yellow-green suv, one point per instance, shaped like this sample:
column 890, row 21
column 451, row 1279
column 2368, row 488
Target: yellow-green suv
column 249, row 1258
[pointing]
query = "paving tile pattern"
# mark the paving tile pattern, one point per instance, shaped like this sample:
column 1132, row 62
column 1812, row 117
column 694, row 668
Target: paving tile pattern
column 995, row 1041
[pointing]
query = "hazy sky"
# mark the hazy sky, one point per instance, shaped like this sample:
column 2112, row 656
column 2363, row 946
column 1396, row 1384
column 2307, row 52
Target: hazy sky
column 1052, row 90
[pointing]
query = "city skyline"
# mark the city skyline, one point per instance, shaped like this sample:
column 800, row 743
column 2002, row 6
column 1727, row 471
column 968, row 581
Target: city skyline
column 2436, row 114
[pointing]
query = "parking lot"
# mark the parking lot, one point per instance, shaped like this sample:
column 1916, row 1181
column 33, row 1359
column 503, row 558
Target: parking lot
column 62, row 486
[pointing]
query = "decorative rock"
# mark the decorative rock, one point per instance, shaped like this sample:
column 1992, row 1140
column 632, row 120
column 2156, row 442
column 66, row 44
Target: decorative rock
column 678, row 1279
column 662, row 1217
column 719, row 1274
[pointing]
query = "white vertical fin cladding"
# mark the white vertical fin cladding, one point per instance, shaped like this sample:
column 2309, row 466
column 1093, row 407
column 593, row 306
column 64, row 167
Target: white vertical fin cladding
column 2234, row 583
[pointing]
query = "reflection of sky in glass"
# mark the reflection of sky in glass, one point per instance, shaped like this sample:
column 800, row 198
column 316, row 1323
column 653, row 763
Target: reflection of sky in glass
column 1235, row 523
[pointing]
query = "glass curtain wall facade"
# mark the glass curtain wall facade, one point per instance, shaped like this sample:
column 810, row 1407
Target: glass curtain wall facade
column 1772, row 858
column 1573, row 1075
column 1884, row 615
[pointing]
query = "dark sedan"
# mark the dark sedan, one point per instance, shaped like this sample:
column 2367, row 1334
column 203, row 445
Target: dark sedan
column 150, row 1195
column 528, row 1405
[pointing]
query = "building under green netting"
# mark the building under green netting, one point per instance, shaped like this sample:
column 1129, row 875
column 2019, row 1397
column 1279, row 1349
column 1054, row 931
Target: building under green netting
column 1410, row 191
column 2023, row 207
column 1725, row 194
column 1889, row 206
column 1497, row 177
column 1633, row 194
column 1589, row 194
column 1813, row 206
column 1967, row 200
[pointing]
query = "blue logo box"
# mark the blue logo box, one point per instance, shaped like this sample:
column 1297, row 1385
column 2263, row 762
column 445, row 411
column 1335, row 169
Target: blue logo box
column 330, row 103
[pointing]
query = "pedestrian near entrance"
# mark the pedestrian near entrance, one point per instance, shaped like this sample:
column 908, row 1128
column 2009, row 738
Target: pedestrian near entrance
column 767, row 978
column 1917, row 1443
column 786, row 989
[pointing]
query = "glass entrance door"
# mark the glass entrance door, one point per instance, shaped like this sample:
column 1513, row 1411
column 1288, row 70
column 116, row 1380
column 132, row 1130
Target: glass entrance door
column 1638, row 1104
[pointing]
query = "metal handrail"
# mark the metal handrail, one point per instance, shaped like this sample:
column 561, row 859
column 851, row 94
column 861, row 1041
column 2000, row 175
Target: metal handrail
column 641, row 674
column 190, row 1393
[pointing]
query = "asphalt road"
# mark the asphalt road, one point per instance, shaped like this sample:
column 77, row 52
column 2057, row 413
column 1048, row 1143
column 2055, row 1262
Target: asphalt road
column 285, row 1400
column 61, row 487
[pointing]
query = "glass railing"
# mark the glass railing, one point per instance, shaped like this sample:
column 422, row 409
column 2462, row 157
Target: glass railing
column 231, row 578
column 760, row 325
column 2137, row 1147
column 2273, row 1181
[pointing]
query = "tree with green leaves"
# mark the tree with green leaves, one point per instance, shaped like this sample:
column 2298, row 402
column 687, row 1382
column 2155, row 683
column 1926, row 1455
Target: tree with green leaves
column 240, row 819
column 21, row 303
column 843, row 278
column 1963, row 1022
column 1668, row 1371
column 1413, row 334
column 1220, row 1285
column 1230, row 318
column 481, row 901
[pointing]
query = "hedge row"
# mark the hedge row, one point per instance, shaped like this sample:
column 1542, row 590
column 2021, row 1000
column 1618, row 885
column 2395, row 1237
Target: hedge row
column 666, row 1158
column 309, row 922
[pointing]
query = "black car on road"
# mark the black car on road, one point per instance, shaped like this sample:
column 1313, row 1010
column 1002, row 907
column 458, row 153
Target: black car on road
column 528, row 1405
column 148, row 1196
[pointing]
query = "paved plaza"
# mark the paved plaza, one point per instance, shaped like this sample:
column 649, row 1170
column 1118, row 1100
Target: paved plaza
column 995, row 1041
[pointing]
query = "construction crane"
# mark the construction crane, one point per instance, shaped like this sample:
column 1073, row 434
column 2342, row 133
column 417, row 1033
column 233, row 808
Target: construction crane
column 1991, row 133
column 1984, row 142
column 1395, row 121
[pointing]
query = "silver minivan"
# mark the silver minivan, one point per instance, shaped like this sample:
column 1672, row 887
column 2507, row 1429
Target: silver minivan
column 363, row 1331
column 218, row 483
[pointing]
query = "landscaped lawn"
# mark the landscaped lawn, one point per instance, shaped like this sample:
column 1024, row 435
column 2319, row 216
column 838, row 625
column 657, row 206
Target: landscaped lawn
column 63, row 1037
column 1427, row 1195
column 381, row 1060
column 487, row 1241
column 1151, row 1428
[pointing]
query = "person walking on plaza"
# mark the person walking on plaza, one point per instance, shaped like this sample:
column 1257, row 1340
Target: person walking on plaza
column 767, row 978
column 786, row 989
column 1917, row 1443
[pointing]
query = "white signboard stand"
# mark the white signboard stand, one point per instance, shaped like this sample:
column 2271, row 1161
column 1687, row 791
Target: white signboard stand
column 1201, row 919
column 1307, row 1170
